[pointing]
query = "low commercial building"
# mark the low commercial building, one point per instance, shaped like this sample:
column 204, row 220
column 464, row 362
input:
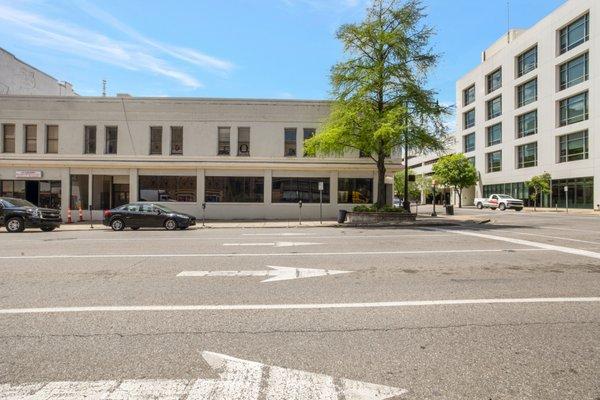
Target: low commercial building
column 243, row 158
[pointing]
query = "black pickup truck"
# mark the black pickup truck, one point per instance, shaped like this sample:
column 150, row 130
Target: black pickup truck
column 18, row 214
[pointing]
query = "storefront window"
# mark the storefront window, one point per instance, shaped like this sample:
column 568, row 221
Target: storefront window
column 79, row 192
column 580, row 192
column 292, row 190
column 228, row 189
column 49, row 195
column 167, row 188
column 355, row 191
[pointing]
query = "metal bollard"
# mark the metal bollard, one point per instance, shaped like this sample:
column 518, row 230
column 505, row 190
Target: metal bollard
column 300, row 212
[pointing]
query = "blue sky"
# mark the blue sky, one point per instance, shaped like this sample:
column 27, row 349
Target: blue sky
column 230, row 48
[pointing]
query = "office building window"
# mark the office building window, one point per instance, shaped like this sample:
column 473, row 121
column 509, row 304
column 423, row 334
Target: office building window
column 10, row 188
column 177, row 140
column 575, row 34
column 527, row 61
column 244, row 142
column 469, row 95
column 471, row 160
column 224, row 144
column 469, row 119
column 111, row 140
column 231, row 189
column 574, row 72
column 527, row 124
column 574, row 109
column 89, row 146
column 289, row 149
column 494, row 80
column 573, row 147
column 292, row 190
column 527, row 93
column 494, row 107
column 8, row 138
column 355, row 191
column 30, row 138
column 79, row 192
column 469, row 142
column 156, row 140
column 51, row 139
column 309, row 133
column 494, row 134
column 494, row 161
column 527, row 155
column 167, row 188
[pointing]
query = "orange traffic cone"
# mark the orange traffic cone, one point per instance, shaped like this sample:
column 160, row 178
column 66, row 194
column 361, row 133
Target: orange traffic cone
column 69, row 219
column 80, row 214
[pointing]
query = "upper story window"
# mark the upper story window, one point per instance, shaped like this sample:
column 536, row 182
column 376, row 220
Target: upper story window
column 469, row 119
column 224, row 144
column 112, row 135
column 244, row 142
column 494, row 80
column 574, row 72
column 494, row 107
column 527, row 93
column 527, row 155
column 89, row 146
column 527, row 124
column 494, row 134
column 469, row 95
column 494, row 161
column 177, row 140
column 289, row 147
column 30, row 138
column 573, row 147
column 575, row 34
column 156, row 140
column 52, row 139
column 574, row 109
column 469, row 142
column 527, row 61
column 8, row 138
column 308, row 133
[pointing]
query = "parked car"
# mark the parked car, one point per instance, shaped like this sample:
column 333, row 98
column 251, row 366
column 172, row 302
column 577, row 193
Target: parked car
column 18, row 214
column 146, row 215
column 500, row 201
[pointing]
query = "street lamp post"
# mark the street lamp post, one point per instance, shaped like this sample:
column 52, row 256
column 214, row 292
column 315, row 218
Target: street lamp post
column 434, row 214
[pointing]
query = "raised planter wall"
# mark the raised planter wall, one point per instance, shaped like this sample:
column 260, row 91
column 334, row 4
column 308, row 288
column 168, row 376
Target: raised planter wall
column 379, row 218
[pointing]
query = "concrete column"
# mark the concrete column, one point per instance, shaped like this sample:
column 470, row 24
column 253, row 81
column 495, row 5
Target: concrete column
column 333, row 188
column 19, row 138
column 90, row 190
column 133, row 185
column 233, row 141
column 200, row 186
column 299, row 142
column 65, row 192
column 166, row 140
column 268, row 187
column 596, row 192
column 41, row 139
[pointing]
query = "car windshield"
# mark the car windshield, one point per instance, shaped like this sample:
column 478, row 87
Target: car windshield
column 18, row 203
column 504, row 196
column 163, row 208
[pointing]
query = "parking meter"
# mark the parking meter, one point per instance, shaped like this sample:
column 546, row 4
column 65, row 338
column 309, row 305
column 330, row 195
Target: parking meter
column 300, row 212
column 203, row 212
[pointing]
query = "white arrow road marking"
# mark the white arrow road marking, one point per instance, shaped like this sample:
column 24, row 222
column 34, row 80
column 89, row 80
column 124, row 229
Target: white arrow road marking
column 274, row 244
column 274, row 274
column 239, row 380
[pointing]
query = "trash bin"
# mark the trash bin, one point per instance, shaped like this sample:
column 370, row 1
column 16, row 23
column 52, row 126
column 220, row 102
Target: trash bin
column 341, row 216
column 449, row 210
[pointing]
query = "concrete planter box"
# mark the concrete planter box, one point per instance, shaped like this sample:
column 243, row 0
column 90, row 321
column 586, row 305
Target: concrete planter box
column 379, row 218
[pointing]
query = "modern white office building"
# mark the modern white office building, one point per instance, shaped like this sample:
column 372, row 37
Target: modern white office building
column 533, row 106
column 243, row 158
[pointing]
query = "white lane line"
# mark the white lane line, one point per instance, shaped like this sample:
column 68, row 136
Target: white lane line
column 275, row 274
column 571, row 230
column 208, row 255
column 308, row 306
column 554, row 237
column 272, row 244
column 545, row 246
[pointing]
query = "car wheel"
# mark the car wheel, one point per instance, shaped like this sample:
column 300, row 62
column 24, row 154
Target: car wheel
column 502, row 207
column 518, row 209
column 183, row 228
column 479, row 206
column 493, row 208
column 14, row 225
column 170, row 224
column 48, row 228
column 135, row 228
column 117, row 225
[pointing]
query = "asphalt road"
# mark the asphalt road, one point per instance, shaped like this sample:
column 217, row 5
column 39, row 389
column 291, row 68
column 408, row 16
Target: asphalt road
column 508, row 310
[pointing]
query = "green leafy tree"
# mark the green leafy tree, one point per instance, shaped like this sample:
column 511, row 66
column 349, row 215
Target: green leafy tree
column 455, row 171
column 539, row 185
column 414, row 192
column 380, row 100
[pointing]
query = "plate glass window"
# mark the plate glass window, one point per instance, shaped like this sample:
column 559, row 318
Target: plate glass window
column 469, row 119
column 494, row 134
column 289, row 147
column 574, row 109
column 292, row 190
column 224, row 144
column 527, row 155
column 167, row 188
column 469, row 142
column 177, row 140
column 574, row 72
column 527, row 124
column 469, row 95
column 30, row 138
column 156, row 140
column 527, row 93
column 494, row 108
column 573, row 147
column 355, row 191
column 494, row 80
column 8, row 138
column 494, row 161
column 527, row 61
column 244, row 142
column 111, row 139
column 90, row 140
column 52, row 139
column 575, row 34
column 230, row 189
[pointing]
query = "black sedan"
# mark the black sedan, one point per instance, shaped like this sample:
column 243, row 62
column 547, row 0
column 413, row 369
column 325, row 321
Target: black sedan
column 146, row 215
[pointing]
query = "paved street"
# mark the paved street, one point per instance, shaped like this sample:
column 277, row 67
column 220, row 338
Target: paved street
column 507, row 310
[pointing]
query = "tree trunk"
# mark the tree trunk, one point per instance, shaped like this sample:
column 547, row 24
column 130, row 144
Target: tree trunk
column 459, row 198
column 380, row 181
